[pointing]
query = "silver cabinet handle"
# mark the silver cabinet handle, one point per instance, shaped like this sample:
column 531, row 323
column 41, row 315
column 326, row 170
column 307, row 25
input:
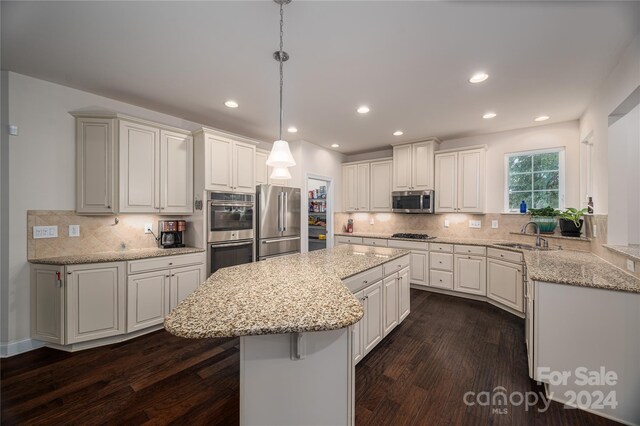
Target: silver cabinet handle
column 278, row 240
column 167, row 276
column 365, row 282
column 170, row 263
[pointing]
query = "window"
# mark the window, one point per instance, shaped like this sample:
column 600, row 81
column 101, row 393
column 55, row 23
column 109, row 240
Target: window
column 536, row 177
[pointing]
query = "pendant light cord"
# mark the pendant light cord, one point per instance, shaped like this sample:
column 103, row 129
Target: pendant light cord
column 281, row 65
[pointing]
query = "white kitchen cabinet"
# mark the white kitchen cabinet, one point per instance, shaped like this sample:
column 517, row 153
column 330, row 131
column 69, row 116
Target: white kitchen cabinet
column 373, row 317
column 419, row 267
column 47, row 303
column 363, row 187
column 344, row 239
column 460, row 181
column 147, row 299
column 356, row 186
column 413, row 166
column 96, row 165
column 229, row 163
column 176, row 173
column 404, row 294
column 390, row 286
column 357, row 333
column 139, row 146
column 262, row 170
column 470, row 275
column 505, row 283
column 95, row 301
column 185, row 281
column 381, row 184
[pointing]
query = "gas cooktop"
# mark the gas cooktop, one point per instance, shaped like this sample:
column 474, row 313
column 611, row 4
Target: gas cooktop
column 413, row 236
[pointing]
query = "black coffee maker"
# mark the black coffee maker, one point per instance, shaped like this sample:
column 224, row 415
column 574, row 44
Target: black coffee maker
column 171, row 233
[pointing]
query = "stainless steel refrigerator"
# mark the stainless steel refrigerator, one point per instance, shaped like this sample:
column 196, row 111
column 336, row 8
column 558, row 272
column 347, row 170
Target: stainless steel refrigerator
column 278, row 221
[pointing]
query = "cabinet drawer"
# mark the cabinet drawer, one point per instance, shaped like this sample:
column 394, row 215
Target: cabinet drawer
column 341, row 239
column 395, row 265
column 475, row 250
column 441, row 279
column 439, row 247
column 442, row 261
column 363, row 279
column 167, row 262
column 509, row 256
column 378, row 242
column 409, row 245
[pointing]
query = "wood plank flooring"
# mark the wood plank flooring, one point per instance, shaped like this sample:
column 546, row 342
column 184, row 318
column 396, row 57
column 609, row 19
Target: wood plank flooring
column 417, row 376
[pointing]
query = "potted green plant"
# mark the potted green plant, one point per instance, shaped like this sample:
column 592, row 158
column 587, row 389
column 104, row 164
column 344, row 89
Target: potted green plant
column 571, row 222
column 546, row 219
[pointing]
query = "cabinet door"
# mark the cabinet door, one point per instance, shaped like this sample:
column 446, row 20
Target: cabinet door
column 504, row 284
column 357, row 332
column 402, row 168
column 350, row 187
column 471, row 181
column 363, row 187
column 95, row 301
column 470, row 274
column 373, row 328
column 147, row 299
column 139, row 168
column 47, row 303
column 184, row 281
column 262, row 170
column 419, row 261
column 391, row 303
column 95, row 165
column 218, row 164
column 381, row 186
column 422, row 166
column 404, row 293
column 446, row 182
column 529, row 330
column 244, row 166
column 176, row 173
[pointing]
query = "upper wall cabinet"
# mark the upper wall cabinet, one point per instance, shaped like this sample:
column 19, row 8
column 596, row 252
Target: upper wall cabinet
column 460, row 181
column 381, row 185
column 127, row 165
column 367, row 186
column 229, row 164
column 263, row 172
column 413, row 166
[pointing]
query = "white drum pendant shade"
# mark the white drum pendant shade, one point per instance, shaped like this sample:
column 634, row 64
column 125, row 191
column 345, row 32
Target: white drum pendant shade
column 280, row 173
column 280, row 155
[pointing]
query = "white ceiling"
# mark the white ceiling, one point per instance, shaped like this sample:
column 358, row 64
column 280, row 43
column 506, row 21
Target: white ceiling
column 409, row 61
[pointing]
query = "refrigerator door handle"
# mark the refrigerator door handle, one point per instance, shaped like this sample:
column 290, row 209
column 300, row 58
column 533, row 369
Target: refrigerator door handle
column 285, row 211
column 280, row 207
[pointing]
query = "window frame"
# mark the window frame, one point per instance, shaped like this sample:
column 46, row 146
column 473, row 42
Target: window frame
column 561, row 174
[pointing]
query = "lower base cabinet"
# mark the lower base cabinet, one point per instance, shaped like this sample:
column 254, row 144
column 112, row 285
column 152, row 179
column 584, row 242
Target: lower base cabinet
column 505, row 283
column 373, row 316
column 470, row 274
column 391, row 288
column 405, row 294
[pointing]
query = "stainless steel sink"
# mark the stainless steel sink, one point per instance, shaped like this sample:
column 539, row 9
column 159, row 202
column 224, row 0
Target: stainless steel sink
column 518, row 246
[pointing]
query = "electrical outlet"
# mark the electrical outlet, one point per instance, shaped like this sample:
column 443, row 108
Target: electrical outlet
column 494, row 224
column 45, row 232
column 631, row 265
column 371, row 221
column 595, row 231
column 13, row 130
column 74, row 230
column 148, row 228
column 475, row 224
column 446, row 223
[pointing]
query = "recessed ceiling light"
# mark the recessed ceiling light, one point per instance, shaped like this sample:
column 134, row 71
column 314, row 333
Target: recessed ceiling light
column 489, row 115
column 478, row 77
column 292, row 130
column 542, row 118
column 334, row 145
column 398, row 133
column 363, row 109
column 231, row 104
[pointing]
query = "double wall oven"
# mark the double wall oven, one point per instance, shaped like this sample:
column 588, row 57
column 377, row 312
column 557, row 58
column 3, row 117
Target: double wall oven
column 230, row 227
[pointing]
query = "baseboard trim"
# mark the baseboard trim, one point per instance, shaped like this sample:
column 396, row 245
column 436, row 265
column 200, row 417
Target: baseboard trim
column 15, row 348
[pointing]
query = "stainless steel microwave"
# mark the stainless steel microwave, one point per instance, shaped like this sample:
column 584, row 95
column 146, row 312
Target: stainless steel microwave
column 413, row 201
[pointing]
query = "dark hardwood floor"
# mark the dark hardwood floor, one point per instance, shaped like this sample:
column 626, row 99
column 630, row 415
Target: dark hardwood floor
column 419, row 375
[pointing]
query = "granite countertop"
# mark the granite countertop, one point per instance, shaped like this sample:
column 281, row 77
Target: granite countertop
column 115, row 256
column 297, row 293
column 632, row 250
column 555, row 266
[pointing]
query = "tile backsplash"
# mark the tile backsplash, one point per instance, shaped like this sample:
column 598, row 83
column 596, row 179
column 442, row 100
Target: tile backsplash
column 97, row 233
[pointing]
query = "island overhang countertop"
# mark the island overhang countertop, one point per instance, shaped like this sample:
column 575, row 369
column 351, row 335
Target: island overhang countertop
column 296, row 293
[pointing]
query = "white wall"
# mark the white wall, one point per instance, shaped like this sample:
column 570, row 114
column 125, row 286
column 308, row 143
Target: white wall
column 620, row 83
column 539, row 137
column 42, row 172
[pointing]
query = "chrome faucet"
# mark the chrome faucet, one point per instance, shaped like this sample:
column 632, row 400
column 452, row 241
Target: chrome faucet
column 539, row 239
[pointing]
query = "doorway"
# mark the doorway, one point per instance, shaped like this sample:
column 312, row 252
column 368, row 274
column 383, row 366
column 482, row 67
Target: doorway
column 319, row 212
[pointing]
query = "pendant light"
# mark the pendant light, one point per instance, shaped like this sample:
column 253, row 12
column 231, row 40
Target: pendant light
column 280, row 157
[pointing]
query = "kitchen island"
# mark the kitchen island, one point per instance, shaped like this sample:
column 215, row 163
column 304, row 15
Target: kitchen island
column 298, row 322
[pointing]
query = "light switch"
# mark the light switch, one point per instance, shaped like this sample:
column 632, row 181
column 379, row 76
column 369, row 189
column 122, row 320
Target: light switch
column 475, row 224
column 45, row 232
column 631, row 266
column 446, row 223
column 13, row 130
column 372, row 221
column 74, row 230
column 494, row 224
column 595, row 231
